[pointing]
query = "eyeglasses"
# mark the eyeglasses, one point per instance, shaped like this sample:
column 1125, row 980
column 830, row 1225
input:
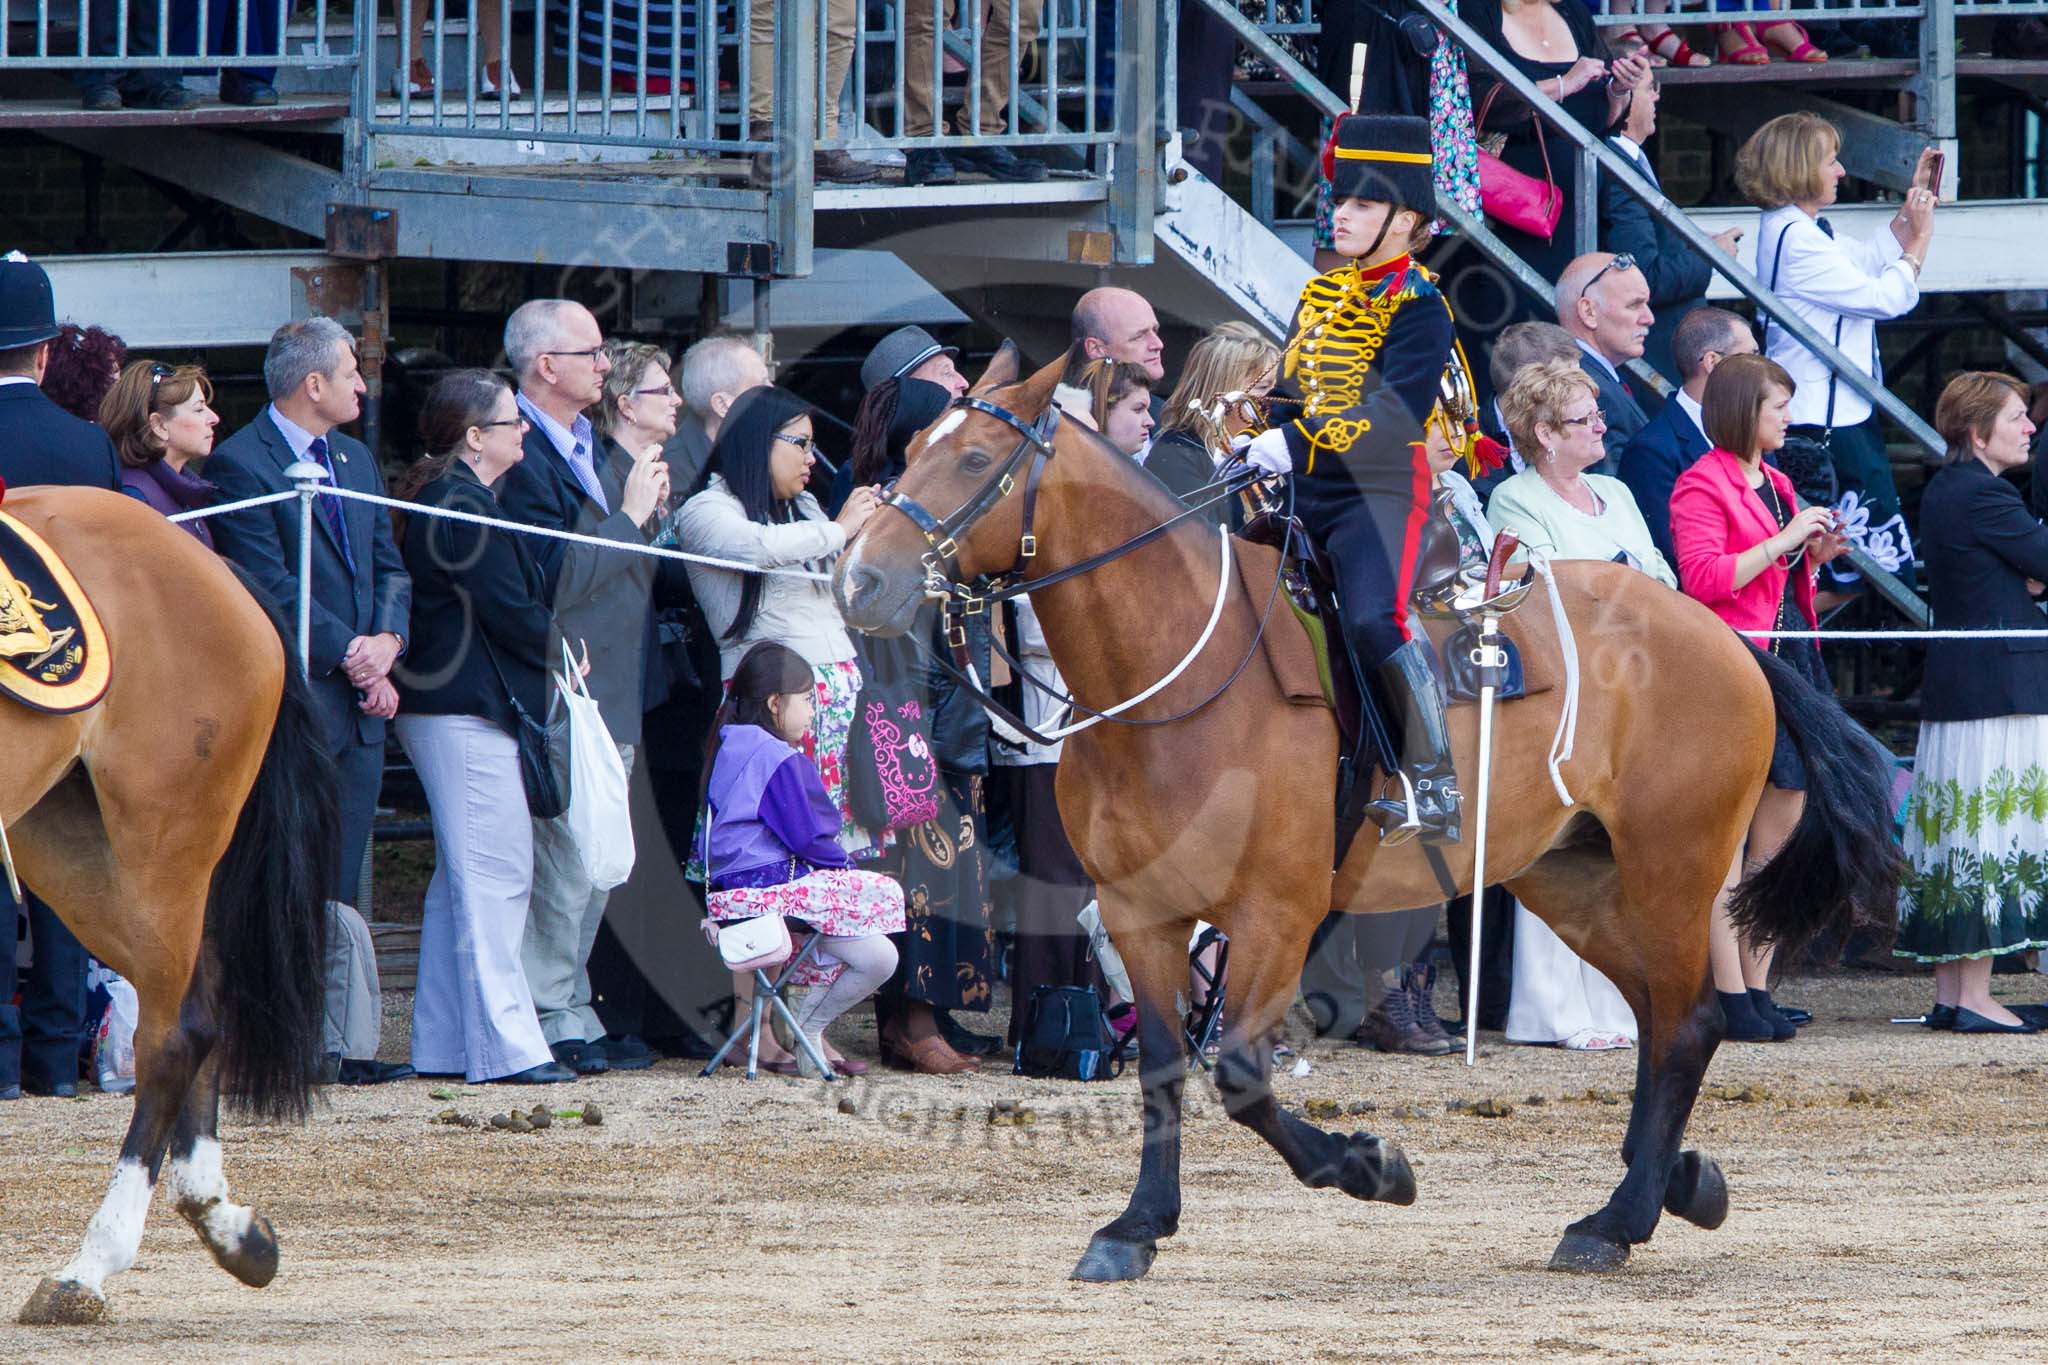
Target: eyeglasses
column 665, row 390
column 593, row 355
column 519, row 422
column 806, row 444
column 1624, row 261
column 1589, row 421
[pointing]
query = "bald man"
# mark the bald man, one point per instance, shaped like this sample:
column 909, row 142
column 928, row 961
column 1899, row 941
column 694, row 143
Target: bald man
column 1117, row 324
column 1603, row 300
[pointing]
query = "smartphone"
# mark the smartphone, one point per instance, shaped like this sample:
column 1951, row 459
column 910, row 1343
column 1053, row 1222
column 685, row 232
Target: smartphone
column 1936, row 171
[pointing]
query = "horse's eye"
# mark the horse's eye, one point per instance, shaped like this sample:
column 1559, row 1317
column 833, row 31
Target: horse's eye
column 975, row 461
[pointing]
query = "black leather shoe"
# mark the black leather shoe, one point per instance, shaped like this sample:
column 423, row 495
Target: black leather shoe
column 1969, row 1021
column 581, row 1058
column 998, row 163
column 246, row 90
column 927, row 167
column 547, row 1073
column 1796, row 1017
column 101, row 99
column 170, row 95
column 59, row 1090
column 964, row 1040
column 2037, row 1015
column 1942, row 1018
column 370, row 1071
column 623, row 1054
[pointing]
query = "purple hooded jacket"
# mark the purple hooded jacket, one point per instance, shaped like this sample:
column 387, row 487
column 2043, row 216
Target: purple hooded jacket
column 767, row 804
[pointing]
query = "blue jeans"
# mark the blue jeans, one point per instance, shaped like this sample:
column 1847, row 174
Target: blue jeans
column 40, row 1037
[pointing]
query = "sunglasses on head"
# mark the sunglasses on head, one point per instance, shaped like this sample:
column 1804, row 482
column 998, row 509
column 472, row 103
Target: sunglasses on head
column 1622, row 262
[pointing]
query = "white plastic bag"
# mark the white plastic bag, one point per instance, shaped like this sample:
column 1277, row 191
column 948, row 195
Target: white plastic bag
column 113, row 1047
column 600, row 820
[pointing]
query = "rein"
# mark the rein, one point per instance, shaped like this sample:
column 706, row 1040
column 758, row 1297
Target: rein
column 962, row 600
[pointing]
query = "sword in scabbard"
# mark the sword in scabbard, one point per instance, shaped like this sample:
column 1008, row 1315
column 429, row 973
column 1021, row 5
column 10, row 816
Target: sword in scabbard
column 1489, row 664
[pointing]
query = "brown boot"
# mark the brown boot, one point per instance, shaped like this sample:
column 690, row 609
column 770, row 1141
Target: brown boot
column 1393, row 1027
column 930, row 1056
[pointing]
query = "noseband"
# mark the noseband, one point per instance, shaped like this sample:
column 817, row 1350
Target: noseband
column 942, row 535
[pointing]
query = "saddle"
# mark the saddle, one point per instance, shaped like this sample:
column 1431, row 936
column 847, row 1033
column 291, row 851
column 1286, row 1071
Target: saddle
column 1454, row 589
column 53, row 649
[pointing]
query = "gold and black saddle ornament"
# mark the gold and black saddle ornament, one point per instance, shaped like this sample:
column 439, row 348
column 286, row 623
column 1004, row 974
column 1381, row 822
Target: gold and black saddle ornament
column 53, row 649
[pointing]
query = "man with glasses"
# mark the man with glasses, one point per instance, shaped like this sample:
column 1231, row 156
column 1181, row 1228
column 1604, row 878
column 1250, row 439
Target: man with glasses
column 1603, row 300
column 1669, row 442
column 602, row 606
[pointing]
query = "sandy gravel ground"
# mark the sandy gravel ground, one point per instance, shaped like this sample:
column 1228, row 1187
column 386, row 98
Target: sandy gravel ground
column 1886, row 1186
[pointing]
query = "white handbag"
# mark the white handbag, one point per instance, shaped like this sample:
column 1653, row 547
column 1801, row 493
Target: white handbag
column 758, row 943
column 600, row 818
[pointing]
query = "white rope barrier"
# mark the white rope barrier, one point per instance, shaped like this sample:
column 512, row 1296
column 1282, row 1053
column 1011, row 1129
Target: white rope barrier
column 226, row 507
column 2000, row 634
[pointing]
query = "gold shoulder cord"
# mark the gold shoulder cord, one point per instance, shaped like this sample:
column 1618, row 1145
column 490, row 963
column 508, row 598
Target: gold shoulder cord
column 1341, row 330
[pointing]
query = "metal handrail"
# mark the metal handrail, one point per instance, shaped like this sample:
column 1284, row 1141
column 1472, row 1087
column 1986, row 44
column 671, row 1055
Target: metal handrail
column 1595, row 150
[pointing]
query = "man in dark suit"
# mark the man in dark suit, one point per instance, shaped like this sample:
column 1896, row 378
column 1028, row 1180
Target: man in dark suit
column 361, row 599
column 1669, row 442
column 603, row 606
column 1603, row 300
column 714, row 372
column 40, row 443
column 1678, row 275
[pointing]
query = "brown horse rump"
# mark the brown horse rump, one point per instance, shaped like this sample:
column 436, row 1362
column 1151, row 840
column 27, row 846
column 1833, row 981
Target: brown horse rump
column 1299, row 658
column 53, row 649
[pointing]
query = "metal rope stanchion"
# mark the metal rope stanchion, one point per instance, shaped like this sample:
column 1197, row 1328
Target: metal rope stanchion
column 308, row 477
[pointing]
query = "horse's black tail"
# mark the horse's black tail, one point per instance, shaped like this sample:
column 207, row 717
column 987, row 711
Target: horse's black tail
column 266, row 920
column 1840, row 868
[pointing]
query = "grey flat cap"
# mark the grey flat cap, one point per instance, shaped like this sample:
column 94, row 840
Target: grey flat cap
column 898, row 353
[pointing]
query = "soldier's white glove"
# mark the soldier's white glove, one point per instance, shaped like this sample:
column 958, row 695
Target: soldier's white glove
column 1267, row 451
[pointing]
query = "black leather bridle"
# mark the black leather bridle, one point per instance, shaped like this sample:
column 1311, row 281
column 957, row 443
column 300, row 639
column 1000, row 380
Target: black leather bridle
column 942, row 535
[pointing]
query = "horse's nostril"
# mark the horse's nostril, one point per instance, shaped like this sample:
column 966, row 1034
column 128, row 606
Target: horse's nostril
column 860, row 583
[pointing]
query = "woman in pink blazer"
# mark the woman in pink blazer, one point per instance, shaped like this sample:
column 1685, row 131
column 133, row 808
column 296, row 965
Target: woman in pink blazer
column 1748, row 551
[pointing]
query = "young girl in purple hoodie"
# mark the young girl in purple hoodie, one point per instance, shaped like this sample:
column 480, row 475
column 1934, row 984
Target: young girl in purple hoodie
column 769, row 844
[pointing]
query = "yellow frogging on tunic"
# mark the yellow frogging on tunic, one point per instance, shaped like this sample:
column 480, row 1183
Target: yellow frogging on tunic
column 1341, row 326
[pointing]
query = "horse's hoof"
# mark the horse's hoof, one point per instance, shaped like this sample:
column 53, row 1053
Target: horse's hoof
column 1376, row 1169
column 1109, row 1260
column 254, row 1262
column 62, row 1303
column 1697, row 1191
column 1582, row 1253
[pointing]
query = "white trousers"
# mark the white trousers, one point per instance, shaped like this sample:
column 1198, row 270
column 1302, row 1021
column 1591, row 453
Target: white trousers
column 472, row 1011
column 1558, row 993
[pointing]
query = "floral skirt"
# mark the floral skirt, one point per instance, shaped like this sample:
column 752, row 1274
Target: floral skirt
column 837, row 693
column 841, row 902
column 1976, row 841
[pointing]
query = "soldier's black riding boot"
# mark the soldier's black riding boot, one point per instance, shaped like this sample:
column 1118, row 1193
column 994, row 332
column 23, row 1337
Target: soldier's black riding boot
column 1427, row 802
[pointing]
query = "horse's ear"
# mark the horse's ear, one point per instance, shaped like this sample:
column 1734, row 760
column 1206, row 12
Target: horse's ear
column 1037, row 391
column 1003, row 369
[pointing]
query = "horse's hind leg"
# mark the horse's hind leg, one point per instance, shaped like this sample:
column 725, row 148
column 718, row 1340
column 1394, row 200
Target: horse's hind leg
column 1156, row 957
column 243, row 1242
column 1664, row 978
column 1266, row 953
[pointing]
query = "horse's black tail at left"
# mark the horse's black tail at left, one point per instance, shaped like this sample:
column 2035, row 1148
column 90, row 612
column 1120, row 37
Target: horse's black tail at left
column 266, row 920
column 1840, row 868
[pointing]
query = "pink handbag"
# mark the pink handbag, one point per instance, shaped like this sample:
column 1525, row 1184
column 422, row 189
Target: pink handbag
column 1513, row 197
column 755, row 944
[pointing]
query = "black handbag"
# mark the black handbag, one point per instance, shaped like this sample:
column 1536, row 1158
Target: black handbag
column 892, row 778
column 1810, row 463
column 1067, row 1035
column 547, row 791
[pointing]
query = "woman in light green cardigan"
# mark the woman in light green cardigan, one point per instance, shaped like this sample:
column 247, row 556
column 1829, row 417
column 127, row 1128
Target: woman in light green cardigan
column 1553, row 413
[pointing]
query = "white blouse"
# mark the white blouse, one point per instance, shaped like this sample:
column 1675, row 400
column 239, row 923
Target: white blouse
column 797, row 612
column 1826, row 280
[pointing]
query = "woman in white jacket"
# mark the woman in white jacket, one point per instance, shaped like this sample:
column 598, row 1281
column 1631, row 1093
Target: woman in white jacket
column 755, row 510
column 1842, row 288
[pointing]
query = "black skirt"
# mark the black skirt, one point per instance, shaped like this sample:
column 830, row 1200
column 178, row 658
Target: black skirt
column 1787, row 771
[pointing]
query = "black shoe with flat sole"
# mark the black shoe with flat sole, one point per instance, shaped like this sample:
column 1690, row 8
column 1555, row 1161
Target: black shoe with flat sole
column 1941, row 1018
column 1969, row 1021
column 547, row 1073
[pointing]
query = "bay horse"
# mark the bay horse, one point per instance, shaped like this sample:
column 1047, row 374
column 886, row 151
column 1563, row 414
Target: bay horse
column 1226, row 814
column 182, row 827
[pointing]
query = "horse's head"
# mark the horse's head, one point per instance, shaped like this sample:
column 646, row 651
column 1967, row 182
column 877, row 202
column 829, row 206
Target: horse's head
column 959, row 507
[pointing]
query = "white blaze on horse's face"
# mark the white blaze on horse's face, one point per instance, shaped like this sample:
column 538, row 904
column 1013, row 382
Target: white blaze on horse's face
column 948, row 424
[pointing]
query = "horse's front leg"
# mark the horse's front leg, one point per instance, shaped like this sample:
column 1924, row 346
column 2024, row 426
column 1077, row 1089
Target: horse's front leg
column 1156, row 956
